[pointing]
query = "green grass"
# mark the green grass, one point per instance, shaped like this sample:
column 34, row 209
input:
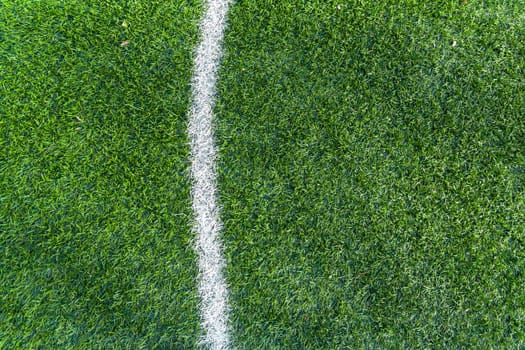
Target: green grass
column 95, row 216
column 372, row 174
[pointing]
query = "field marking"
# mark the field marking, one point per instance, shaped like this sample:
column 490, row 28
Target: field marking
column 213, row 292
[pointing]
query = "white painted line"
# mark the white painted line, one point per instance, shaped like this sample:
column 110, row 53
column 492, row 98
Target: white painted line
column 212, row 284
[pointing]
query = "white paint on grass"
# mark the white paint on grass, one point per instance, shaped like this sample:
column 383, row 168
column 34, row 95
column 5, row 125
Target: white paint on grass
column 212, row 284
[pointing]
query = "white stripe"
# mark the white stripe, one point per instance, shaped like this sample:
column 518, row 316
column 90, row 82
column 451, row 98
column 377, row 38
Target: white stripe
column 212, row 284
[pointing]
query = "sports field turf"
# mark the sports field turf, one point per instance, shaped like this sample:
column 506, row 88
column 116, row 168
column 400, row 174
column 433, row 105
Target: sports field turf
column 95, row 246
column 371, row 174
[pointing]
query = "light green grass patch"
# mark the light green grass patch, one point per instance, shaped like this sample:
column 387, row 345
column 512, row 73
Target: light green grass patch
column 95, row 210
column 372, row 174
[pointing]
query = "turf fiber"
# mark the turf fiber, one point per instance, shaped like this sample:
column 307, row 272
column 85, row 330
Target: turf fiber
column 372, row 168
column 95, row 210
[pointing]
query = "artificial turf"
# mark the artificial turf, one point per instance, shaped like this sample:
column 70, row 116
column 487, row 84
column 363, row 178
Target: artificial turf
column 372, row 169
column 372, row 172
column 95, row 212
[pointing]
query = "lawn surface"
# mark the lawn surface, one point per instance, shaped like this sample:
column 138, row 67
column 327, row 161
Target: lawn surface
column 95, row 213
column 372, row 174
column 372, row 171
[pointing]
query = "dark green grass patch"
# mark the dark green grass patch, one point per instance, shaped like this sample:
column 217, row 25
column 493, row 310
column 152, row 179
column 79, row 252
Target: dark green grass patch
column 372, row 173
column 94, row 198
